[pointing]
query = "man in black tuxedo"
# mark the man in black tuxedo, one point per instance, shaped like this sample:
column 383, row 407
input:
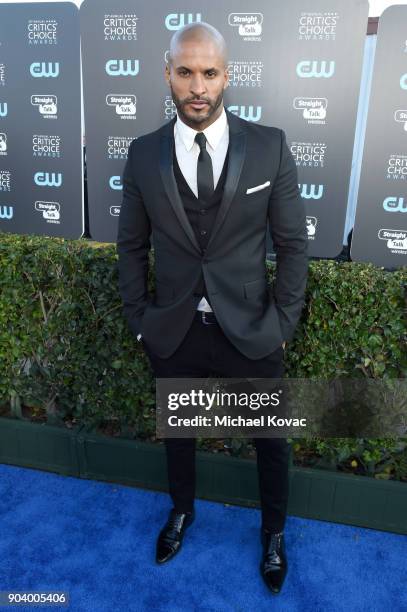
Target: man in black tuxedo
column 204, row 187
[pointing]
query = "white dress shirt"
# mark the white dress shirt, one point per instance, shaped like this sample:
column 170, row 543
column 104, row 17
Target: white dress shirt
column 187, row 152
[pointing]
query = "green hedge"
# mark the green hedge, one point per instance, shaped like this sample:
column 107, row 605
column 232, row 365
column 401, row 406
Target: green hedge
column 66, row 350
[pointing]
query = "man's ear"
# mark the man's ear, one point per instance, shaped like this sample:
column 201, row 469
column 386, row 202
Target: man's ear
column 167, row 74
column 226, row 83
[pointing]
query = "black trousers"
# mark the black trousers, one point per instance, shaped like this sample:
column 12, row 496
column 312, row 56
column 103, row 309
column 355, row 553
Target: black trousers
column 206, row 351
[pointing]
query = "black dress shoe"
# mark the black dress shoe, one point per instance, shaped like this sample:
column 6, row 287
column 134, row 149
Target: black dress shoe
column 273, row 566
column 170, row 538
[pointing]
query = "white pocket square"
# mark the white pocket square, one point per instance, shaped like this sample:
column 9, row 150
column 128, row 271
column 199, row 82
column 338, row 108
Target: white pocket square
column 258, row 187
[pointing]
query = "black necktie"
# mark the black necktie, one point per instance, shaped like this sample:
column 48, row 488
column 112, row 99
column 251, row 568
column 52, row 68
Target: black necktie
column 204, row 171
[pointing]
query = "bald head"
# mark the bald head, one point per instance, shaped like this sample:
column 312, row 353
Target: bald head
column 200, row 32
column 197, row 73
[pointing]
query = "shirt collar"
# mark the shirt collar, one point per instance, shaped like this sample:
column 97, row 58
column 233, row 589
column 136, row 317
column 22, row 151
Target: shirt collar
column 213, row 132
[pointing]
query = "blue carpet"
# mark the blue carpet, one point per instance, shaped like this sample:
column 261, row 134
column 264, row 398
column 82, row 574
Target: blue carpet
column 96, row 540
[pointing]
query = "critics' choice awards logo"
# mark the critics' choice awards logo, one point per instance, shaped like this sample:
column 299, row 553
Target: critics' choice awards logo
column 309, row 154
column 118, row 146
column 397, row 167
column 48, row 179
column 311, row 191
column 42, row 32
column 5, row 180
column 3, row 144
column 122, row 67
column 47, row 105
column 311, row 224
column 120, row 26
column 400, row 116
column 317, row 26
column 51, row 211
column 245, row 74
column 249, row 113
column 123, row 104
column 394, row 204
column 2, row 74
column 45, row 145
column 403, row 81
column 396, row 240
column 248, row 25
column 44, row 69
column 315, row 69
column 6, row 211
column 170, row 109
column 314, row 110
column 175, row 21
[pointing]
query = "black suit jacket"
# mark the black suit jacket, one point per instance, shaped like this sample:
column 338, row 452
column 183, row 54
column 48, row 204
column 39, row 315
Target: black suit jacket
column 256, row 316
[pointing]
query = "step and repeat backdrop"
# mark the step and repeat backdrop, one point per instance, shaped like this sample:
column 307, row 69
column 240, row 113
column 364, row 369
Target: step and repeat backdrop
column 294, row 65
column 41, row 169
column 380, row 230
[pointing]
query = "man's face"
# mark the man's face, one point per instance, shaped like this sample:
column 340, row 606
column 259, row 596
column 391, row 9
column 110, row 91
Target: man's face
column 197, row 78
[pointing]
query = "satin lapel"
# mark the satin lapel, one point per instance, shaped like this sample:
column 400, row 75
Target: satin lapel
column 237, row 149
column 170, row 184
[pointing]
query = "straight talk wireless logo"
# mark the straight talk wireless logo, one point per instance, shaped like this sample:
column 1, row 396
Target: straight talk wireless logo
column 395, row 239
column 249, row 26
column 123, row 104
column 3, row 144
column 313, row 110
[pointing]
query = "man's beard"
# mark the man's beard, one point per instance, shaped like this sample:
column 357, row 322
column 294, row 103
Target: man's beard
column 194, row 118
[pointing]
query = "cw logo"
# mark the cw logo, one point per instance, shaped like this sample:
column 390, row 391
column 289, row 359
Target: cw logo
column 395, row 205
column 309, row 191
column 115, row 182
column 403, row 81
column 117, row 67
column 309, row 69
column 6, row 212
column 246, row 112
column 39, row 69
column 48, row 179
column 175, row 21
column 3, row 109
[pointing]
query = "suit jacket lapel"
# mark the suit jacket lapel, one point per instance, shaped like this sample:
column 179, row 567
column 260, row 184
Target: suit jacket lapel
column 167, row 145
column 237, row 148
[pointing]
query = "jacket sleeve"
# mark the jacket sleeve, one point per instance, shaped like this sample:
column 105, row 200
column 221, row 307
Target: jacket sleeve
column 287, row 223
column 133, row 245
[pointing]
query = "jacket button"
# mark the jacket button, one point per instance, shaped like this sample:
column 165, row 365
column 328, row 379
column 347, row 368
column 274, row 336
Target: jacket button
column 202, row 211
column 203, row 232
